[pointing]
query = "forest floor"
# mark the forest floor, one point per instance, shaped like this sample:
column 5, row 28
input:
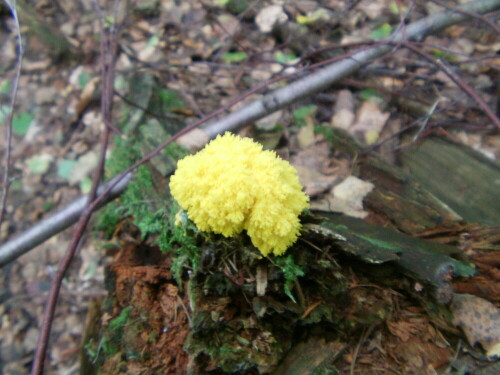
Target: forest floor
column 202, row 55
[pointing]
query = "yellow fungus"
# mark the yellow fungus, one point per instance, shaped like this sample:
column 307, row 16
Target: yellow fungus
column 233, row 185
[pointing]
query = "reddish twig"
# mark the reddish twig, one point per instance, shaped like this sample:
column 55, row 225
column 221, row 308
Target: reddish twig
column 108, row 48
column 8, row 124
column 458, row 81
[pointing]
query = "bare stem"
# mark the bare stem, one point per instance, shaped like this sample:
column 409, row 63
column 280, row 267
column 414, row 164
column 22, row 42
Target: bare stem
column 459, row 81
column 108, row 48
column 8, row 127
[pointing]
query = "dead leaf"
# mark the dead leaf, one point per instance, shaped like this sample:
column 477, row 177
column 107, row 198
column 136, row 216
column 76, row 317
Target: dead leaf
column 370, row 122
column 312, row 163
column 346, row 197
column 270, row 16
column 480, row 321
column 344, row 110
column 90, row 92
column 85, row 164
column 306, row 135
column 269, row 122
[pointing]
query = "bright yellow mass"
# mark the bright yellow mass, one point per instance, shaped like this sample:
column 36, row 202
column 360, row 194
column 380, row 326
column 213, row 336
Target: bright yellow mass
column 234, row 185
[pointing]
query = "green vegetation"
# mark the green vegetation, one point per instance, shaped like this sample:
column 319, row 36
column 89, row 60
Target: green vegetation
column 371, row 95
column 155, row 220
column 39, row 164
column 327, row 132
column 285, row 58
column 5, row 87
column 170, row 99
column 21, row 123
column 110, row 342
column 291, row 272
column 150, row 210
column 131, row 203
column 234, row 57
column 382, row 32
column 234, row 6
column 443, row 55
column 304, row 115
column 83, row 79
column 183, row 235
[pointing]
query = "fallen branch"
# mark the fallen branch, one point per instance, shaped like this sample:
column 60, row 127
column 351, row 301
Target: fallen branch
column 270, row 103
column 55, row 223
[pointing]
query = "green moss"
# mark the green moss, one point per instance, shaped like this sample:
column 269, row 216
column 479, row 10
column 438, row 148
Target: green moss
column 155, row 219
column 182, row 238
column 91, row 349
column 110, row 342
column 147, row 216
column 176, row 151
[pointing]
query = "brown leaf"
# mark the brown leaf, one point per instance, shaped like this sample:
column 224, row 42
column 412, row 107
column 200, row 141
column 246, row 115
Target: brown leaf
column 311, row 163
column 480, row 321
column 370, row 122
column 344, row 110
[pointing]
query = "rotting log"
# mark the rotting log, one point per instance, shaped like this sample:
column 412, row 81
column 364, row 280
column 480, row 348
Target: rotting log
column 397, row 199
column 216, row 320
column 464, row 179
column 425, row 261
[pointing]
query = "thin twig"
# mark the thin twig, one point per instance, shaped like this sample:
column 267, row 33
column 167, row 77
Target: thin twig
column 367, row 332
column 361, row 84
column 8, row 127
column 459, row 81
column 426, row 119
column 108, row 47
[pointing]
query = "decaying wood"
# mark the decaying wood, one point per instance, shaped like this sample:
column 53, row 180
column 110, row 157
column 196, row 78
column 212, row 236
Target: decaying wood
column 422, row 260
column 397, row 198
column 463, row 178
column 353, row 271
